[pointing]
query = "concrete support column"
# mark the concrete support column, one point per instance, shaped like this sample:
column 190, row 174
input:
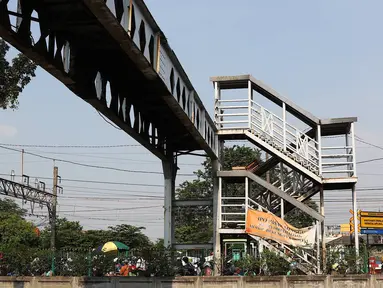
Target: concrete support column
column 323, row 236
column 217, row 193
column 319, row 271
column 170, row 171
column 355, row 208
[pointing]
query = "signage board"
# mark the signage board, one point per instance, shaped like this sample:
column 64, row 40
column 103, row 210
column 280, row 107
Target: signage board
column 345, row 228
column 371, row 214
column 372, row 231
column 371, row 222
column 269, row 226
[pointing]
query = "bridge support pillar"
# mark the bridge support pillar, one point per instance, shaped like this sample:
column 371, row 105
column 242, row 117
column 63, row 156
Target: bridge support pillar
column 170, row 172
column 217, row 192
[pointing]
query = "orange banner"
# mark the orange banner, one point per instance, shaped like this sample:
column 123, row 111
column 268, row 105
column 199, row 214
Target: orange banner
column 269, row 226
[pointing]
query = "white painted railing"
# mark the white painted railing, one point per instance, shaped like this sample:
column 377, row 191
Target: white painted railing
column 284, row 137
column 269, row 127
column 338, row 160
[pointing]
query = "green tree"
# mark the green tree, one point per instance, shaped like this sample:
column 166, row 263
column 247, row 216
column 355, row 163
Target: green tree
column 17, row 238
column 13, row 77
column 299, row 219
column 69, row 234
column 8, row 206
column 16, row 232
column 129, row 235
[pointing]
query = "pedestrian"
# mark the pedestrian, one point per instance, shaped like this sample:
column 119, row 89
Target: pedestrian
column 124, row 271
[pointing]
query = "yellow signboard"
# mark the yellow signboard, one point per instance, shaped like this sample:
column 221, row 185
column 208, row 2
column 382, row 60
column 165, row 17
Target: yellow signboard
column 371, row 222
column 344, row 228
column 371, row 214
column 269, row 226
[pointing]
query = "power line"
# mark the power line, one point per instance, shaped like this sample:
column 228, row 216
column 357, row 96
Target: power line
column 91, row 155
column 104, row 189
column 93, row 181
column 92, row 166
column 110, row 199
column 107, row 121
column 368, row 143
column 116, row 197
column 156, row 221
column 69, row 146
column 114, row 209
column 369, row 160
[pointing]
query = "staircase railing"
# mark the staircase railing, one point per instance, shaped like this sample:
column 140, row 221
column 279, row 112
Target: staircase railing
column 271, row 128
column 284, row 137
column 338, row 160
column 306, row 262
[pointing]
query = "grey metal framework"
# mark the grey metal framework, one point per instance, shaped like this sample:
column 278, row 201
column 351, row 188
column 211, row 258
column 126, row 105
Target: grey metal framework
column 318, row 157
column 26, row 193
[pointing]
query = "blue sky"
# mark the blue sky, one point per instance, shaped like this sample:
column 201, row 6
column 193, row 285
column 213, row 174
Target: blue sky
column 324, row 55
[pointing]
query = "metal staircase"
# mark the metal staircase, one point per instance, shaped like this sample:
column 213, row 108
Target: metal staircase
column 233, row 218
column 300, row 149
column 309, row 163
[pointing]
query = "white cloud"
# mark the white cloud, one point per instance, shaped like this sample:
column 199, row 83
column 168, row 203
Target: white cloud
column 7, row 131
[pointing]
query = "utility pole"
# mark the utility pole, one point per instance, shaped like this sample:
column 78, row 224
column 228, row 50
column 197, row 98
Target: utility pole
column 53, row 218
column 22, row 164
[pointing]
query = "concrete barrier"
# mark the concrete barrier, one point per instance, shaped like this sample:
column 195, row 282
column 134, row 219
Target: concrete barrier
column 317, row 281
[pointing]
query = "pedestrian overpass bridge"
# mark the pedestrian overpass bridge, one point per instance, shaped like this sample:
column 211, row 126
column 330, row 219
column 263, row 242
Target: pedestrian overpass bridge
column 113, row 55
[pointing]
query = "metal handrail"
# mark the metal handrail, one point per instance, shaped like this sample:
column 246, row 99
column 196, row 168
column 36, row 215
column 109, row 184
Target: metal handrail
column 272, row 128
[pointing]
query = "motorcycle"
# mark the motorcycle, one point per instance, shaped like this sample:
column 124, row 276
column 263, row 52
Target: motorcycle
column 185, row 268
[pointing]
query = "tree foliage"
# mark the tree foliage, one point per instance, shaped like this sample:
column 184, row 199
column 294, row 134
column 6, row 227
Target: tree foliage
column 71, row 235
column 267, row 263
column 23, row 252
column 7, row 206
column 13, row 77
column 299, row 219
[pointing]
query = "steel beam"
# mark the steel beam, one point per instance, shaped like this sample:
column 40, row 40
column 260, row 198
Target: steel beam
column 24, row 192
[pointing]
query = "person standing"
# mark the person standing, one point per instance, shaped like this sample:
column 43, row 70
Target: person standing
column 125, row 269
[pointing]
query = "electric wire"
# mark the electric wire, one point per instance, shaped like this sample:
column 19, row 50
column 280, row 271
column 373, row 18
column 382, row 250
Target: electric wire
column 70, row 146
column 107, row 121
column 93, row 166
